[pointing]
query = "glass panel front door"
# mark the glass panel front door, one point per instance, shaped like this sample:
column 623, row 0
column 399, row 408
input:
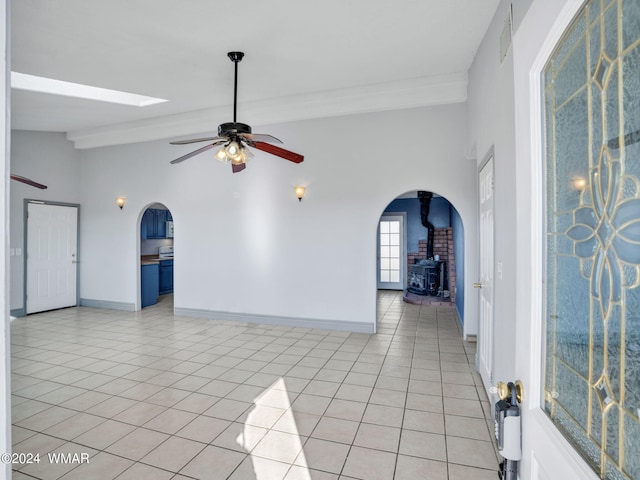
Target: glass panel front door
column 592, row 112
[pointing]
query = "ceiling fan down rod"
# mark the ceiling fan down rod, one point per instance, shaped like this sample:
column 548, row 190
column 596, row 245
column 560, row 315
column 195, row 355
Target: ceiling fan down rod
column 235, row 57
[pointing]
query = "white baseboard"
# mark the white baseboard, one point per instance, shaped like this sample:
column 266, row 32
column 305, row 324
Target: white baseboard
column 322, row 324
column 89, row 302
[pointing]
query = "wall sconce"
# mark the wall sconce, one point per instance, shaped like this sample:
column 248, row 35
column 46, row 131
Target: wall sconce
column 120, row 201
column 299, row 193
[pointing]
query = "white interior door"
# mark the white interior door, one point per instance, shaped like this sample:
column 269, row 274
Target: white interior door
column 485, row 284
column 391, row 256
column 52, row 239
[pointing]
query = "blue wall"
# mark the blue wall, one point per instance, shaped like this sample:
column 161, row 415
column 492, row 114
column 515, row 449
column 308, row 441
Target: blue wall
column 457, row 230
column 439, row 216
column 415, row 230
column 439, row 212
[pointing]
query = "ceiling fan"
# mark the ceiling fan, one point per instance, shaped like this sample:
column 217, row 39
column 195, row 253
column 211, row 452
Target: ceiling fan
column 235, row 137
column 28, row 181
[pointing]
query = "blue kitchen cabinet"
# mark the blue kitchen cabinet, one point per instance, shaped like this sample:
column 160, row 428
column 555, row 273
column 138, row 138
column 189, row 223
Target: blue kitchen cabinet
column 166, row 276
column 161, row 224
column 154, row 223
column 149, row 284
column 148, row 224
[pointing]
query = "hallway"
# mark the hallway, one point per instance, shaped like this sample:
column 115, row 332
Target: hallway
column 148, row 395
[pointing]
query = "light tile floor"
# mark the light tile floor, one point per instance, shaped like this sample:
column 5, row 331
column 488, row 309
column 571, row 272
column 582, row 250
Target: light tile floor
column 149, row 395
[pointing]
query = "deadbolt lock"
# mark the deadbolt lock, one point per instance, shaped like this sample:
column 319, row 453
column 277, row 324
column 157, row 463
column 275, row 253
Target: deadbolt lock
column 477, row 285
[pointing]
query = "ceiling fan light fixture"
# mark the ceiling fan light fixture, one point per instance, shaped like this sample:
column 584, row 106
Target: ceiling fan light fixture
column 222, row 155
column 242, row 157
column 236, row 136
column 233, row 150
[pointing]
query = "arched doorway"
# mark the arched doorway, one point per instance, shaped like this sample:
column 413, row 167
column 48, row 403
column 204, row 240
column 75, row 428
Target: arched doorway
column 156, row 256
column 420, row 252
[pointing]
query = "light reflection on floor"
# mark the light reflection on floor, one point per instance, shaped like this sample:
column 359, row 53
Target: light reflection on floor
column 279, row 446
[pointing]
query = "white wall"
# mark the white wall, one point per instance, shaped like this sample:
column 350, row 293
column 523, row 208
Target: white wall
column 47, row 158
column 5, row 366
column 491, row 125
column 244, row 244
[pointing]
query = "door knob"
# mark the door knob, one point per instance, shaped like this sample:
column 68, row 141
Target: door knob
column 519, row 391
column 504, row 390
column 477, row 285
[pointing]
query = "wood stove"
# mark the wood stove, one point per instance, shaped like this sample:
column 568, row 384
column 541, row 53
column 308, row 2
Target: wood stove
column 427, row 277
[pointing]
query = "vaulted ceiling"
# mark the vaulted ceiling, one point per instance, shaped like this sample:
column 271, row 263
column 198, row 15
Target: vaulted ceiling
column 304, row 59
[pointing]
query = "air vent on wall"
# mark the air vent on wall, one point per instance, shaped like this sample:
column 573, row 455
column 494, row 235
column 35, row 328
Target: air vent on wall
column 505, row 36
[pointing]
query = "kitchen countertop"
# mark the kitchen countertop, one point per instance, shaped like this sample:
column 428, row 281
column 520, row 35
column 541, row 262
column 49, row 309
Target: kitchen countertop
column 151, row 259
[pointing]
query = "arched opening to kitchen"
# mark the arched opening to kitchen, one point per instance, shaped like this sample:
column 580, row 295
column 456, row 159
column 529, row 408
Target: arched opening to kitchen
column 156, row 256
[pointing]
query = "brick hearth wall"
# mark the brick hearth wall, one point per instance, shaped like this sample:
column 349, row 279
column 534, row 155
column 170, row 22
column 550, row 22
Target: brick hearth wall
column 443, row 246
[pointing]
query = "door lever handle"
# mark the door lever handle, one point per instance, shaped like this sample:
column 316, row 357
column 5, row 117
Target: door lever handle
column 477, row 285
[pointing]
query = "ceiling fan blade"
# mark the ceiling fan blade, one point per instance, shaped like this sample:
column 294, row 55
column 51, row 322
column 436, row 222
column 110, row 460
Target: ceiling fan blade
column 278, row 152
column 195, row 140
column 28, row 181
column 238, row 168
column 195, row 152
column 261, row 137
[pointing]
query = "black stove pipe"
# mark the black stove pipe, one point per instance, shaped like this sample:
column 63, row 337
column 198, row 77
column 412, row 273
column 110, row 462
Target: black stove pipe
column 425, row 204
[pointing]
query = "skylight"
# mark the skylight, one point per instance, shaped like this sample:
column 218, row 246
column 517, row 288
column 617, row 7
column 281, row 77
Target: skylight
column 22, row 81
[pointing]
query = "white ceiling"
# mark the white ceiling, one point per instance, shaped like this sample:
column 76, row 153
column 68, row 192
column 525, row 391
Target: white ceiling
column 304, row 59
